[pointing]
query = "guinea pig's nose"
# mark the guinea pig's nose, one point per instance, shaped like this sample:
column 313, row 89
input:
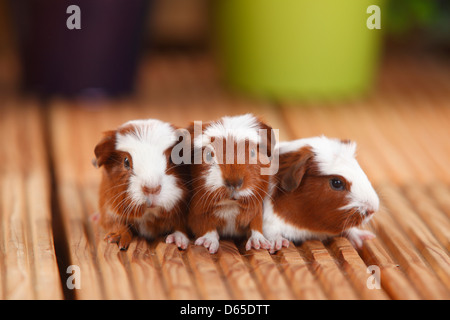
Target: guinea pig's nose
column 235, row 184
column 151, row 190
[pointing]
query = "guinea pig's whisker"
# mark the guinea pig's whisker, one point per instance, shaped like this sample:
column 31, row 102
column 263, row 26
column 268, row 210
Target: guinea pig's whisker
column 113, row 200
column 197, row 179
column 197, row 190
column 349, row 223
column 280, row 189
column 127, row 205
column 117, row 208
column 211, row 199
column 114, row 187
column 172, row 167
column 203, row 197
column 131, row 208
column 117, row 196
column 264, row 193
column 128, row 211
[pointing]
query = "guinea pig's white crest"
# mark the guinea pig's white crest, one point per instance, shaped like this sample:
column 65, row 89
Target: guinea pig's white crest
column 238, row 127
column 336, row 157
column 146, row 142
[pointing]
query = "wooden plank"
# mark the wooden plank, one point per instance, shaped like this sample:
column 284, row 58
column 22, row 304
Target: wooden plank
column 147, row 278
column 72, row 209
column 393, row 280
column 300, row 278
column 356, row 269
column 113, row 271
column 441, row 195
column 418, row 272
column 273, row 285
column 433, row 217
column 17, row 282
column 421, row 151
column 29, row 269
column 207, row 273
column 419, row 234
column 241, row 283
column 175, row 272
column 17, row 272
column 81, row 249
column 427, row 94
column 333, row 281
column 112, row 264
column 38, row 197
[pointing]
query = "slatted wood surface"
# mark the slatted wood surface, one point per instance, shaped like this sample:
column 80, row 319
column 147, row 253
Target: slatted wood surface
column 49, row 193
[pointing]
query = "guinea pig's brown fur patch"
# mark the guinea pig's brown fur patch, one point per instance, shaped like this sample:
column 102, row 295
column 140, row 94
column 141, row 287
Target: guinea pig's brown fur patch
column 305, row 198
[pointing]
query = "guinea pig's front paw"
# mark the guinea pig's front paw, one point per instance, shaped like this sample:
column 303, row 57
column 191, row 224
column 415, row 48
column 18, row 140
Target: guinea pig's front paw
column 179, row 238
column 209, row 240
column 357, row 236
column 257, row 241
column 277, row 243
column 122, row 237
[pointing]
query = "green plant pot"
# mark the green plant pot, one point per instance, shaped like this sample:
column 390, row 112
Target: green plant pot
column 297, row 49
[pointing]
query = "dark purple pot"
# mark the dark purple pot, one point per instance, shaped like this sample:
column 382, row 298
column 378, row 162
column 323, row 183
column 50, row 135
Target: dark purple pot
column 99, row 58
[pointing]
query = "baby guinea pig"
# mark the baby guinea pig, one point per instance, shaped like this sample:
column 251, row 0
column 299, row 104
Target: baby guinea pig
column 228, row 184
column 141, row 192
column 319, row 191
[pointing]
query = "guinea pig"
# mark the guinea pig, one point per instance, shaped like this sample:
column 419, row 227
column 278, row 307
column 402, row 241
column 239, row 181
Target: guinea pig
column 319, row 191
column 228, row 180
column 141, row 192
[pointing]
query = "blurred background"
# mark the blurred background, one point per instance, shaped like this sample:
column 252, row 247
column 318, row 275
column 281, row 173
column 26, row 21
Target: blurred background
column 293, row 50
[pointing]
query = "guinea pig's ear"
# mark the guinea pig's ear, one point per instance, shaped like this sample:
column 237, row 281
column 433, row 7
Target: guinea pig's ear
column 293, row 167
column 267, row 138
column 105, row 148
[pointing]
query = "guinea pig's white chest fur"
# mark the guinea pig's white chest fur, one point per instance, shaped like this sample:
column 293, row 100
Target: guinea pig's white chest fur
column 141, row 224
column 227, row 210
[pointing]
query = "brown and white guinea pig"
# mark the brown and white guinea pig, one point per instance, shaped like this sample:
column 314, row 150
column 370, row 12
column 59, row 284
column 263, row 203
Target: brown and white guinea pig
column 228, row 180
column 319, row 191
column 141, row 192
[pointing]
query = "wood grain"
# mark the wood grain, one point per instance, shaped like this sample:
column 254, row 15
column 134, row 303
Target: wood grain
column 268, row 275
column 300, row 278
column 331, row 278
column 393, row 281
column 207, row 273
column 424, row 279
column 28, row 265
column 179, row 282
column 356, row 270
column 236, row 272
column 419, row 234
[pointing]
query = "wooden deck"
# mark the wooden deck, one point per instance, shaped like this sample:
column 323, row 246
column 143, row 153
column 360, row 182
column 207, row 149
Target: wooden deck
column 48, row 190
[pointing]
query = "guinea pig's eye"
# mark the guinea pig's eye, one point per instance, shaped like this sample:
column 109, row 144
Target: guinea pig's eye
column 126, row 163
column 337, row 184
column 252, row 153
column 209, row 156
